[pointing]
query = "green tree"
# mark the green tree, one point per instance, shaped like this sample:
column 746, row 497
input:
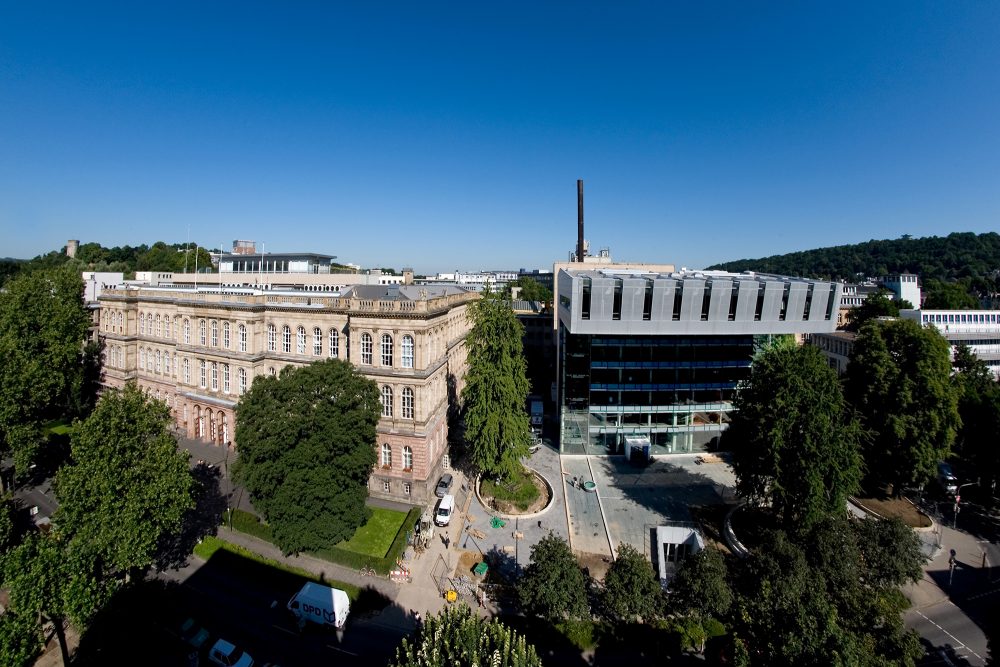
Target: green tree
column 899, row 380
column 631, row 586
column 20, row 639
column 42, row 328
column 531, row 290
column 794, row 441
column 458, row 638
column 306, row 441
column 890, row 551
column 553, row 585
column 701, row 585
column 496, row 387
column 949, row 296
column 127, row 486
column 879, row 304
column 48, row 579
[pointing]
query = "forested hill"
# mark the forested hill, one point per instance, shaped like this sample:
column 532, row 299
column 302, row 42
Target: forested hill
column 945, row 258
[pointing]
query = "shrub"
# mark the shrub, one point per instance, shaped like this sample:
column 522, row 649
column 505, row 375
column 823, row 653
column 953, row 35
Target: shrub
column 518, row 489
column 579, row 632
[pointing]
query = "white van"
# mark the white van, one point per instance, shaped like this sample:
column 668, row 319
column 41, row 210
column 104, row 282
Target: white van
column 446, row 507
column 320, row 604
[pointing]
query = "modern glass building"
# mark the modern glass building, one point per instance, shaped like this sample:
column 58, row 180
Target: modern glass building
column 653, row 359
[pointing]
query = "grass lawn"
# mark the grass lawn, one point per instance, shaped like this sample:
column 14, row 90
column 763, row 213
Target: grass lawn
column 375, row 537
column 896, row 507
column 58, row 427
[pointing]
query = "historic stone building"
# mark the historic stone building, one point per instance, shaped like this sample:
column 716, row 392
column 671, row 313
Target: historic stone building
column 199, row 350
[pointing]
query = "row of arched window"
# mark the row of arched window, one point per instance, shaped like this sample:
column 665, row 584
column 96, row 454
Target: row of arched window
column 406, row 402
column 386, row 350
column 210, row 332
column 386, row 457
column 113, row 321
column 211, row 375
column 304, row 344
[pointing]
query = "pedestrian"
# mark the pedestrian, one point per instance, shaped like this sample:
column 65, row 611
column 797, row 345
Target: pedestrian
column 418, row 619
column 446, row 538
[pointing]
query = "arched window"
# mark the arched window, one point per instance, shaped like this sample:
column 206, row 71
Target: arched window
column 271, row 338
column 142, row 358
column 225, row 378
column 386, row 350
column 386, row 455
column 187, row 370
column 215, row 334
column 159, row 362
column 187, row 332
column 142, row 323
column 149, row 358
column 406, row 403
column 215, row 376
column 286, row 339
column 406, row 352
column 366, row 348
column 334, row 343
column 166, row 361
column 243, row 338
column 159, row 327
column 241, row 374
column 300, row 340
column 202, row 378
column 167, row 331
column 407, row 458
column 317, row 341
column 201, row 331
column 387, row 401
column 225, row 335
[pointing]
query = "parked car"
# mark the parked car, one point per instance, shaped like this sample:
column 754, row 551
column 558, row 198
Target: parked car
column 193, row 634
column 946, row 480
column 228, row 655
column 446, row 506
column 444, row 485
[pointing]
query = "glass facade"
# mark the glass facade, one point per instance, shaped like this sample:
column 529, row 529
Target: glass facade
column 675, row 390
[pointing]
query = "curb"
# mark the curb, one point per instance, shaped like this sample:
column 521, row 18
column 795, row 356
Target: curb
column 548, row 505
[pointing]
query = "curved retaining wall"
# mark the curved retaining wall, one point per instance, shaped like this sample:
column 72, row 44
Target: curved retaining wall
column 729, row 536
column 540, row 512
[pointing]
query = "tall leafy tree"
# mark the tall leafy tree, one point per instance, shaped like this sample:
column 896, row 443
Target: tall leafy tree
column 458, row 638
column 701, row 586
column 496, row 388
column 306, row 442
column 631, row 586
column 553, row 585
column 979, row 408
column 127, row 486
column 899, row 380
column 879, row 304
column 42, row 328
column 48, row 579
column 794, row 440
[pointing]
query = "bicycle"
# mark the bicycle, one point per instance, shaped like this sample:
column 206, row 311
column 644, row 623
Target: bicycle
column 368, row 572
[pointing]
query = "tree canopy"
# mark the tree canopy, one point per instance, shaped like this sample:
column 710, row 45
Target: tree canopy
column 899, row 381
column 306, row 443
column 979, row 408
column 126, row 486
column 42, row 328
column 700, row 585
column 531, row 290
column 878, row 304
column 795, row 442
column 553, row 585
column 631, row 586
column 458, row 638
column 496, row 388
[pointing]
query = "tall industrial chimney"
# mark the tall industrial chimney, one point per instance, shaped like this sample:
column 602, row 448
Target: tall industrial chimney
column 579, row 220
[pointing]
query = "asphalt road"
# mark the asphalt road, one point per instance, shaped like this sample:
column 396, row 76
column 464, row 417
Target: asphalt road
column 245, row 604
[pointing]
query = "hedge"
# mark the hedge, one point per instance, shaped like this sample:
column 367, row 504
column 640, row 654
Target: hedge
column 245, row 522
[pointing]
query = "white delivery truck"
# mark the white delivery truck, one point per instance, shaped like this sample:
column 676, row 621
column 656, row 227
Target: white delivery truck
column 320, row 604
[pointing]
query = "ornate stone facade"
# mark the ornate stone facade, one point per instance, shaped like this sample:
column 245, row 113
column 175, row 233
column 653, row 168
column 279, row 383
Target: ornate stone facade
column 200, row 349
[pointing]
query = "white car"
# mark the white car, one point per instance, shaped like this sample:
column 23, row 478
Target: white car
column 226, row 654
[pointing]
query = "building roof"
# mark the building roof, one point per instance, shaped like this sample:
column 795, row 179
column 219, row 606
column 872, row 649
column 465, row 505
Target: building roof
column 402, row 292
column 276, row 255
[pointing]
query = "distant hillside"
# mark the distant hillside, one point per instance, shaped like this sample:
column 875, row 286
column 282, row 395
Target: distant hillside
column 958, row 256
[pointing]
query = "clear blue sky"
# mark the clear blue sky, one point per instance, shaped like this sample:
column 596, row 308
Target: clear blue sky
column 445, row 136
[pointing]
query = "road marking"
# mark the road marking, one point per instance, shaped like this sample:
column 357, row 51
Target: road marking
column 335, row 648
column 961, row 644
